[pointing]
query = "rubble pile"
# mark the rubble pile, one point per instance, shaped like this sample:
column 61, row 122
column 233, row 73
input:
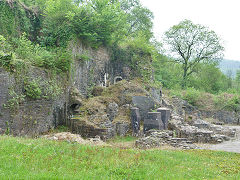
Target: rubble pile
column 201, row 131
column 218, row 129
column 69, row 137
column 157, row 138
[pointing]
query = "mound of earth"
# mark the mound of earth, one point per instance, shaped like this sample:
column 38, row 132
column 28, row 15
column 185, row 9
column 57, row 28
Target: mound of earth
column 107, row 113
column 67, row 136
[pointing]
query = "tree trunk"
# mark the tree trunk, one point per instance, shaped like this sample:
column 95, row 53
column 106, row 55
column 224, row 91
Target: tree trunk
column 184, row 76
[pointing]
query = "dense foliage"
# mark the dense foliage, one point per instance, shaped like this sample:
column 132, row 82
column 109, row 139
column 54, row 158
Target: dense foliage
column 191, row 44
column 22, row 51
column 54, row 23
column 37, row 33
column 50, row 25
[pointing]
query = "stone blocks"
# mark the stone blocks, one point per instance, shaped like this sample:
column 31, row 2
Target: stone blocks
column 153, row 121
column 135, row 120
column 165, row 115
column 145, row 104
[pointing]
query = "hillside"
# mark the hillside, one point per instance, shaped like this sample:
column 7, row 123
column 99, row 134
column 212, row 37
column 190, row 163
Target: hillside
column 87, row 93
column 229, row 67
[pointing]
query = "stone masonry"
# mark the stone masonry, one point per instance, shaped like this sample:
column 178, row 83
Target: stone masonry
column 156, row 139
column 165, row 116
column 135, row 121
column 153, row 121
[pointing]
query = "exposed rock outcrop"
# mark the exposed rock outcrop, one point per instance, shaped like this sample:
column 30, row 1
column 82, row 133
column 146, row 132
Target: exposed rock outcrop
column 109, row 114
column 33, row 117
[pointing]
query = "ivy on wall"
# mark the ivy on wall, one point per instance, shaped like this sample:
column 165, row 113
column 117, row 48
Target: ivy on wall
column 16, row 18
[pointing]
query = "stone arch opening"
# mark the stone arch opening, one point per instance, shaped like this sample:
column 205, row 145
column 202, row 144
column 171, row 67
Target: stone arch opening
column 117, row 79
column 74, row 107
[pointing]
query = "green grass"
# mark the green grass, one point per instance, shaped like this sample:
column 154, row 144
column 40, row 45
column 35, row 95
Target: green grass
column 123, row 139
column 22, row 158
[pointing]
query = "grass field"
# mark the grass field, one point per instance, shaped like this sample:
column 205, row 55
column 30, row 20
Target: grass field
column 22, row 158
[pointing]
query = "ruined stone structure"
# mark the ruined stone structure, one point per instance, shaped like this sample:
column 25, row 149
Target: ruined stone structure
column 157, row 139
column 153, row 121
column 145, row 105
column 33, row 117
column 135, row 121
column 200, row 133
column 165, row 116
column 182, row 108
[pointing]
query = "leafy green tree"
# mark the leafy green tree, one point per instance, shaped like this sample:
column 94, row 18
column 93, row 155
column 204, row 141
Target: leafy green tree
column 237, row 79
column 191, row 44
column 56, row 26
column 229, row 75
column 209, row 78
column 238, row 76
column 108, row 22
column 167, row 72
column 139, row 18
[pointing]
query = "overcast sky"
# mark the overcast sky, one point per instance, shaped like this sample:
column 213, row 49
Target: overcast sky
column 221, row 16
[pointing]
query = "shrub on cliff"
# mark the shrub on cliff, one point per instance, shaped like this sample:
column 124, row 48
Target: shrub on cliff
column 32, row 89
column 23, row 49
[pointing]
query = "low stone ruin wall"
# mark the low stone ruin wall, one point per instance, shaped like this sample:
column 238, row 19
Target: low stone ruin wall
column 183, row 108
column 156, row 139
column 152, row 120
column 198, row 135
column 217, row 129
column 226, row 117
column 105, row 130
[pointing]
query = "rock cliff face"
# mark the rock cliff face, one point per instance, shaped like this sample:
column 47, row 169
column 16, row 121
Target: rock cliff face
column 5, row 82
column 91, row 67
column 26, row 116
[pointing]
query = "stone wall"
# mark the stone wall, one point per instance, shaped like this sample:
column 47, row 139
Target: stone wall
column 30, row 117
column 33, row 117
column 97, row 69
column 228, row 117
column 5, row 82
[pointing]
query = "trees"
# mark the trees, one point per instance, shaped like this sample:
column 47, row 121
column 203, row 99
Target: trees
column 238, row 76
column 191, row 44
column 139, row 18
column 237, row 79
column 209, row 78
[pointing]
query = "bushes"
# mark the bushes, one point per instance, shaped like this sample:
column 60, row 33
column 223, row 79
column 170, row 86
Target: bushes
column 17, row 17
column 192, row 96
column 226, row 101
column 96, row 22
column 209, row 102
column 40, row 88
column 137, row 53
column 32, row 89
column 6, row 56
column 22, row 49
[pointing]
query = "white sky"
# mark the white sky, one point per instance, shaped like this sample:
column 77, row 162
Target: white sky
column 221, row 16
